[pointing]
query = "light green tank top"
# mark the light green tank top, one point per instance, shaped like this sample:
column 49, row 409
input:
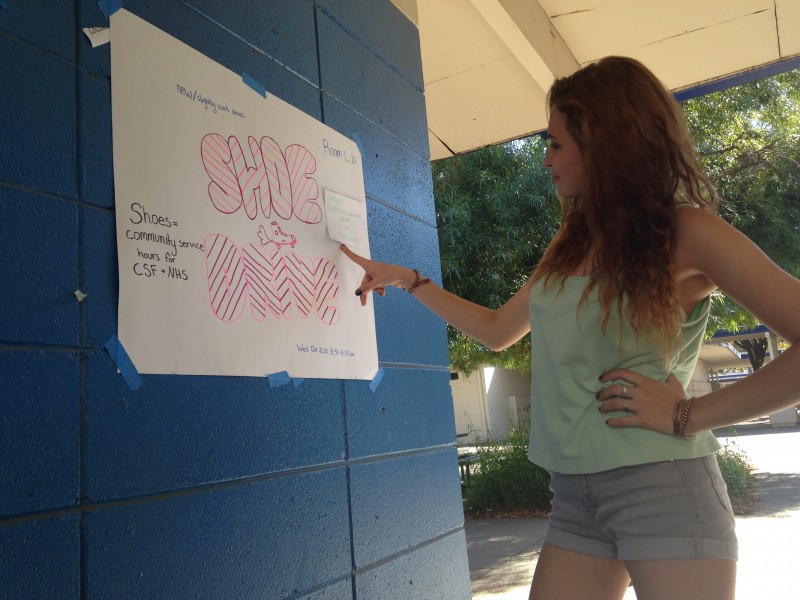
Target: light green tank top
column 569, row 352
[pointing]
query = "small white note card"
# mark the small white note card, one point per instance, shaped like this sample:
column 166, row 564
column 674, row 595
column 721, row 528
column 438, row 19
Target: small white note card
column 347, row 219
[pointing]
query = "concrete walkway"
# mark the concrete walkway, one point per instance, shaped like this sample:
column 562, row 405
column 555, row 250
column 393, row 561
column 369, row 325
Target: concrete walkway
column 503, row 552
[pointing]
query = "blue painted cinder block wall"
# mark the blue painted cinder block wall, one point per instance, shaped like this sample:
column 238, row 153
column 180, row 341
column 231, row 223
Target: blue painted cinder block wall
column 214, row 487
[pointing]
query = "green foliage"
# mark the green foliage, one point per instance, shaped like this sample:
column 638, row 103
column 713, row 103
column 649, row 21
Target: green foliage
column 467, row 355
column 505, row 479
column 496, row 210
column 735, row 468
column 727, row 315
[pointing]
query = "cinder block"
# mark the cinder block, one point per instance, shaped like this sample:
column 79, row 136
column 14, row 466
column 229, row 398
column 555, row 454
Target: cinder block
column 439, row 570
column 411, row 408
column 95, row 150
column 407, row 331
column 101, row 276
column 282, row 29
column 393, row 173
column 39, row 431
column 49, row 27
column 229, row 49
column 383, row 28
column 41, row 559
column 179, row 432
column 401, row 502
column 39, row 269
column 341, row 590
column 361, row 80
column 37, row 119
column 267, row 539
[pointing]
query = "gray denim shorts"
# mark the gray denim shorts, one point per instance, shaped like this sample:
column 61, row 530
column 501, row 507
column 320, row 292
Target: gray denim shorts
column 676, row 509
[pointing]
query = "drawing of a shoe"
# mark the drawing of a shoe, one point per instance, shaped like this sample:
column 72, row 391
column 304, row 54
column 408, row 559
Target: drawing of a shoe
column 279, row 237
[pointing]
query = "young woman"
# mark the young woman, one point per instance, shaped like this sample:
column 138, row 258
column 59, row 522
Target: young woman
column 617, row 309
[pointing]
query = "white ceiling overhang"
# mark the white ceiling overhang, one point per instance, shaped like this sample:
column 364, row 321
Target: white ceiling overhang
column 487, row 64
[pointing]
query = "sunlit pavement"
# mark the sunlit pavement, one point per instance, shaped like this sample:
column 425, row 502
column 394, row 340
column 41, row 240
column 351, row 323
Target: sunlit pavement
column 503, row 552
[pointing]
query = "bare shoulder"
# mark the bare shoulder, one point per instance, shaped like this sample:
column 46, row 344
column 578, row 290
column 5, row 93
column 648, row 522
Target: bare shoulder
column 708, row 243
column 710, row 247
column 691, row 221
column 697, row 231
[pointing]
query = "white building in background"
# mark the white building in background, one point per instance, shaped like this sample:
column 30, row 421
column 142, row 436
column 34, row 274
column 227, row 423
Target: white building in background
column 488, row 401
column 491, row 400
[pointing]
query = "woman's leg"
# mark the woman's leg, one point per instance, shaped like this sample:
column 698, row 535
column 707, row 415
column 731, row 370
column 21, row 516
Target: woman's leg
column 566, row 575
column 698, row 579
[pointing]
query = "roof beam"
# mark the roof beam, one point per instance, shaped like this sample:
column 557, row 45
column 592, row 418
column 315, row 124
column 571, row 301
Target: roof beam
column 530, row 36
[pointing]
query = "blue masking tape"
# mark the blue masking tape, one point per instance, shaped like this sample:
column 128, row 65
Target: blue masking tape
column 296, row 381
column 278, row 379
column 253, row 83
column 376, row 381
column 124, row 363
column 109, row 7
column 360, row 144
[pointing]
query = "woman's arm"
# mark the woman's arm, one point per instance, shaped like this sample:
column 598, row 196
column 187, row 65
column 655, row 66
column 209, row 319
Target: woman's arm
column 496, row 329
column 748, row 276
column 710, row 247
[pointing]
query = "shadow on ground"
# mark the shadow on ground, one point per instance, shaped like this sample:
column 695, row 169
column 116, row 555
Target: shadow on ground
column 777, row 493
column 502, row 552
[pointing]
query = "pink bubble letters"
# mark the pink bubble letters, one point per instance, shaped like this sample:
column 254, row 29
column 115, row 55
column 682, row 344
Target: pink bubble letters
column 279, row 185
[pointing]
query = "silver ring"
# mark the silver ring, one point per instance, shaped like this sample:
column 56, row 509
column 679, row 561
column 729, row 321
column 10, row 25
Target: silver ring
column 624, row 393
column 625, row 406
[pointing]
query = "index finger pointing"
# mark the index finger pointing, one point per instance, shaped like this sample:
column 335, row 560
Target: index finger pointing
column 359, row 260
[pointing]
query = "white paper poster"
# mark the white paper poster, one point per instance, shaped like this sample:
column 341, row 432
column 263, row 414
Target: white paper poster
column 225, row 262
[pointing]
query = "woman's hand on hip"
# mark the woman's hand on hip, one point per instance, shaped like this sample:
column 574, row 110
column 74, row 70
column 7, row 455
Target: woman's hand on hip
column 651, row 403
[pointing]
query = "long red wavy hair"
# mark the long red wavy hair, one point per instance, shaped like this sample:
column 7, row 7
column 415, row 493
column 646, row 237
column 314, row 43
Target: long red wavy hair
column 640, row 163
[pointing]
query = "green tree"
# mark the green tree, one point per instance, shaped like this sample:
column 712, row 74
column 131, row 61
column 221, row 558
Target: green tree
column 496, row 212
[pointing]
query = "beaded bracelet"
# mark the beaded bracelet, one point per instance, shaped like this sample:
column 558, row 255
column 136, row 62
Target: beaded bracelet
column 418, row 282
column 680, row 417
